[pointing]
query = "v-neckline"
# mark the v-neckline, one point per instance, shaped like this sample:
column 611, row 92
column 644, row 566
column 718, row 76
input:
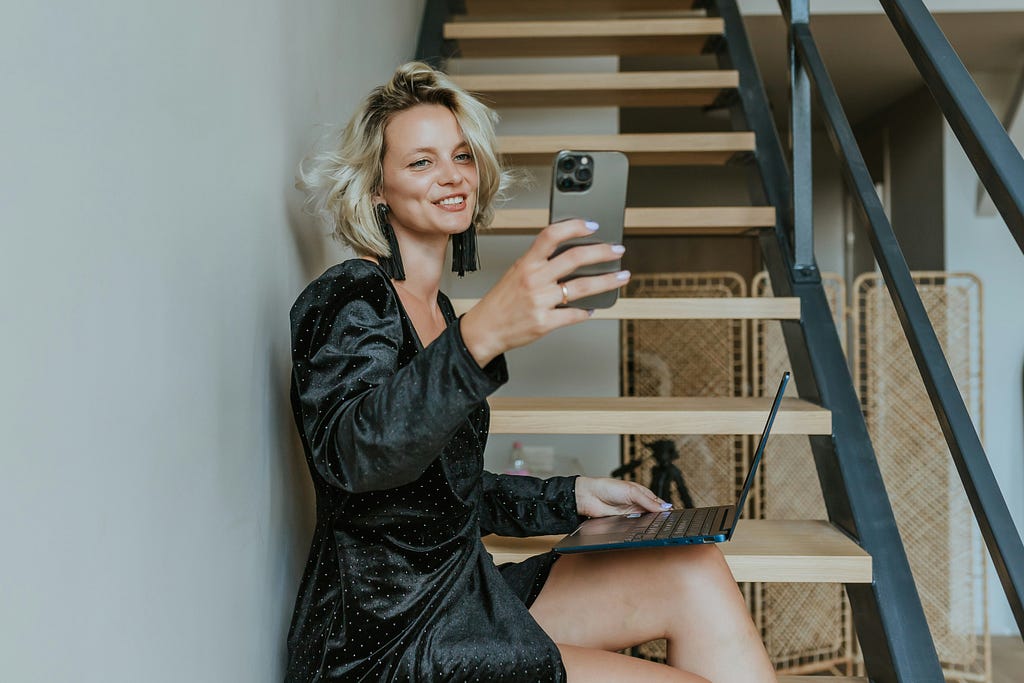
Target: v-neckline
column 442, row 303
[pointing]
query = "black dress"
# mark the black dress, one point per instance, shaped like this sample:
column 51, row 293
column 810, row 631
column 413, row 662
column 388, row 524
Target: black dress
column 398, row 586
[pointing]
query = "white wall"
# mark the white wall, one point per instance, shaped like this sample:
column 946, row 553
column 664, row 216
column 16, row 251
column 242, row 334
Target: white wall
column 155, row 506
column 983, row 245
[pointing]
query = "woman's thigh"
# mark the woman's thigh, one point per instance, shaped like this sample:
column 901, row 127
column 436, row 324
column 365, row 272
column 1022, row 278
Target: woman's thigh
column 584, row 665
column 614, row 600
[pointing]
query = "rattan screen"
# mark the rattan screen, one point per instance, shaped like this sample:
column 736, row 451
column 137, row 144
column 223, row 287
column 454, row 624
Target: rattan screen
column 807, row 628
column 931, row 508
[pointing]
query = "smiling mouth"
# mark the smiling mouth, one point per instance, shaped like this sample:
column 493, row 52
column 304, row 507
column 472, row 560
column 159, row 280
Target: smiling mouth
column 454, row 202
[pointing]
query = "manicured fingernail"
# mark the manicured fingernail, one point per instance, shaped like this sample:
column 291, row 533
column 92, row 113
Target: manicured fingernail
column 591, row 225
column 618, row 249
column 666, row 506
column 622, row 275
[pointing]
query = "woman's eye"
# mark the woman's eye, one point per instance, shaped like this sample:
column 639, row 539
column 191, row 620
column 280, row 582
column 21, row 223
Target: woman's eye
column 419, row 163
column 465, row 156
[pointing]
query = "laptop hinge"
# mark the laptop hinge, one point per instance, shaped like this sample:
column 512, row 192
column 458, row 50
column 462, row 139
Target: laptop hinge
column 730, row 520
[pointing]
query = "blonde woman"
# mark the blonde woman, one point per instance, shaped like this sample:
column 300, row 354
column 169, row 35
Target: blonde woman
column 389, row 391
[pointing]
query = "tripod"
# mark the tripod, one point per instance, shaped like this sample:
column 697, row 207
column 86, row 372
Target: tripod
column 664, row 474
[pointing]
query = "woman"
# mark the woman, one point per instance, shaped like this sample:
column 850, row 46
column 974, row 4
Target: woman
column 389, row 390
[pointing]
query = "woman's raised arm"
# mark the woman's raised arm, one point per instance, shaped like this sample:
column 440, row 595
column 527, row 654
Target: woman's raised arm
column 522, row 306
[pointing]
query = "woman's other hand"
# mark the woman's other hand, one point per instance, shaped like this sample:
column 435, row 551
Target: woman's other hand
column 525, row 303
column 601, row 497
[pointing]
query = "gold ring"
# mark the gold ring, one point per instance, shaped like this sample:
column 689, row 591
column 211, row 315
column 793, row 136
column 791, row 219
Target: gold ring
column 565, row 294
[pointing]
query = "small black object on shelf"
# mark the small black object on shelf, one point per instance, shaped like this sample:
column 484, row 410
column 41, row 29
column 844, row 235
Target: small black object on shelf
column 663, row 474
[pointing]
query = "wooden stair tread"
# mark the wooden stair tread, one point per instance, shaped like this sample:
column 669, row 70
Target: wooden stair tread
column 571, row 7
column 653, row 415
column 648, row 36
column 702, row 308
column 620, row 89
column 811, row 551
column 718, row 220
column 643, row 149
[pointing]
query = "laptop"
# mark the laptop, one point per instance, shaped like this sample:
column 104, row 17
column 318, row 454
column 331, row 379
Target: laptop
column 685, row 526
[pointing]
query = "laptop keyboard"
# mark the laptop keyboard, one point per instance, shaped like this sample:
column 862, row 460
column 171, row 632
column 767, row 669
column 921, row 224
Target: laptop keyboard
column 682, row 523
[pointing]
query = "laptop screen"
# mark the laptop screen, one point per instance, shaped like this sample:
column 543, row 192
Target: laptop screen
column 761, row 444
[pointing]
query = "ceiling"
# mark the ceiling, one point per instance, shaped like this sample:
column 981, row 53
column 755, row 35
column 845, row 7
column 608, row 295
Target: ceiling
column 869, row 65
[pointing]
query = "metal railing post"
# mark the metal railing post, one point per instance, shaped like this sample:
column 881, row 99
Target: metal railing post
column 889, row 618
column 800, row 142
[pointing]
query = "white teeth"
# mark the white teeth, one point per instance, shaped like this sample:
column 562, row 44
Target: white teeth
column 450, row 201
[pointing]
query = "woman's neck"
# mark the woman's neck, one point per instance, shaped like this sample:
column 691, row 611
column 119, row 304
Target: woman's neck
column 423, row 260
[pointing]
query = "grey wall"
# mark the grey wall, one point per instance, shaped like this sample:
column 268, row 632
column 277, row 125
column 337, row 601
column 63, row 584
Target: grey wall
column 916, row 180
column 155, row 507
column 982, row 245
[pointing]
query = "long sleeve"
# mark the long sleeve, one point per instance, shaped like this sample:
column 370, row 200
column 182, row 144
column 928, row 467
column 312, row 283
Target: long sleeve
column 526, row 506
column 370, row 425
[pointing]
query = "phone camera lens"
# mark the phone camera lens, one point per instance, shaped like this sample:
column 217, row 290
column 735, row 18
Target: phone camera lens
column 584, row 175
column 565, row 183
column 567, row 164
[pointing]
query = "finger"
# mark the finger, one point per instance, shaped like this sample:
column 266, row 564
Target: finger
column 650, row 502
column 594, row 284
column 563, row 317
column 577, row 257
column 556, row 233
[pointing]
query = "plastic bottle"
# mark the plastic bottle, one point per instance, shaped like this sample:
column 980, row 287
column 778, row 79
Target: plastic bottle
column 517, row 461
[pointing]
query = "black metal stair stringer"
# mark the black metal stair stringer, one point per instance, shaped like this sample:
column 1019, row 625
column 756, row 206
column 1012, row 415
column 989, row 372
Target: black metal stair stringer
column 888, row 615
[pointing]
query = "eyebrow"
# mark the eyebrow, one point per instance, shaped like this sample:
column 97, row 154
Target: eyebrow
column 420, row 150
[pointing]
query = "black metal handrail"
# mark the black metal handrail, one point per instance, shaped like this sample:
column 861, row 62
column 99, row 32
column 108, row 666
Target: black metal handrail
column 890, row 622
column 966, row 111
column 996, row 159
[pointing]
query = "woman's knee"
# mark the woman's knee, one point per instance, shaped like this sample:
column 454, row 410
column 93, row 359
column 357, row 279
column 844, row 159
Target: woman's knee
column 700, row 563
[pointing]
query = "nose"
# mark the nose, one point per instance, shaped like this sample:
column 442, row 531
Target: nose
column 450, row 173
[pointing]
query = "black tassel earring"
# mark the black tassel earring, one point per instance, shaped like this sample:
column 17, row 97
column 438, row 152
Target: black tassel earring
column 464, row 258
column 391, row 265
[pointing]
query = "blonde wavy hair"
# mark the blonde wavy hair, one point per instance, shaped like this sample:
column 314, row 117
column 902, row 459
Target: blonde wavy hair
column 340, row 182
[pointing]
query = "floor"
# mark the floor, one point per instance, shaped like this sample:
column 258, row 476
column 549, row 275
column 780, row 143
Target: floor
column 1007, row 659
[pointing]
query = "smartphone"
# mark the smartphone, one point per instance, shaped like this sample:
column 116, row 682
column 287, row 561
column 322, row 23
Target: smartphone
column 591, row 186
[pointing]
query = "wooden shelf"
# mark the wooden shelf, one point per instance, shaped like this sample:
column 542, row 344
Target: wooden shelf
column 635, row 37
column 653, row 415
column 643, row 149
column 706, row 308
column 630, row 89
column 804, row 551
column 649, row 222
column 476, row 8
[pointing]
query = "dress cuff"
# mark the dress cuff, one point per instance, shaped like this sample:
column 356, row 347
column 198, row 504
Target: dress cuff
column 496, row 371
column 567, row 498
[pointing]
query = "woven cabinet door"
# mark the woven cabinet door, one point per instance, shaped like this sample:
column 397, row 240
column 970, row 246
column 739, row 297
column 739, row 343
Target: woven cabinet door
column 932, row 512
column 807, row 628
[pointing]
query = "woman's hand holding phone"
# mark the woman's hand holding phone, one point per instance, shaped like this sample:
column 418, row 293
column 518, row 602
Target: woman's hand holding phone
column 528, row 301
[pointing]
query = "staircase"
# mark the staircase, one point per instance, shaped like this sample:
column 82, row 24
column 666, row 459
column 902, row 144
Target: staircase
column 813, row 551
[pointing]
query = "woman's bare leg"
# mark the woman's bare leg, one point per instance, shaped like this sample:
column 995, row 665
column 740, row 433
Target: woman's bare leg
column 687, row 595
column 586, row 665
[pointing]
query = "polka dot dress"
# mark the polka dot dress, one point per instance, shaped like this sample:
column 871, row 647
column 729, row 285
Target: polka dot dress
column 398, row 586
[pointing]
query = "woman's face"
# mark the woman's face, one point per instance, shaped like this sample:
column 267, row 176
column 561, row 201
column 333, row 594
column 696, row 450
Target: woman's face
column 430, row 176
